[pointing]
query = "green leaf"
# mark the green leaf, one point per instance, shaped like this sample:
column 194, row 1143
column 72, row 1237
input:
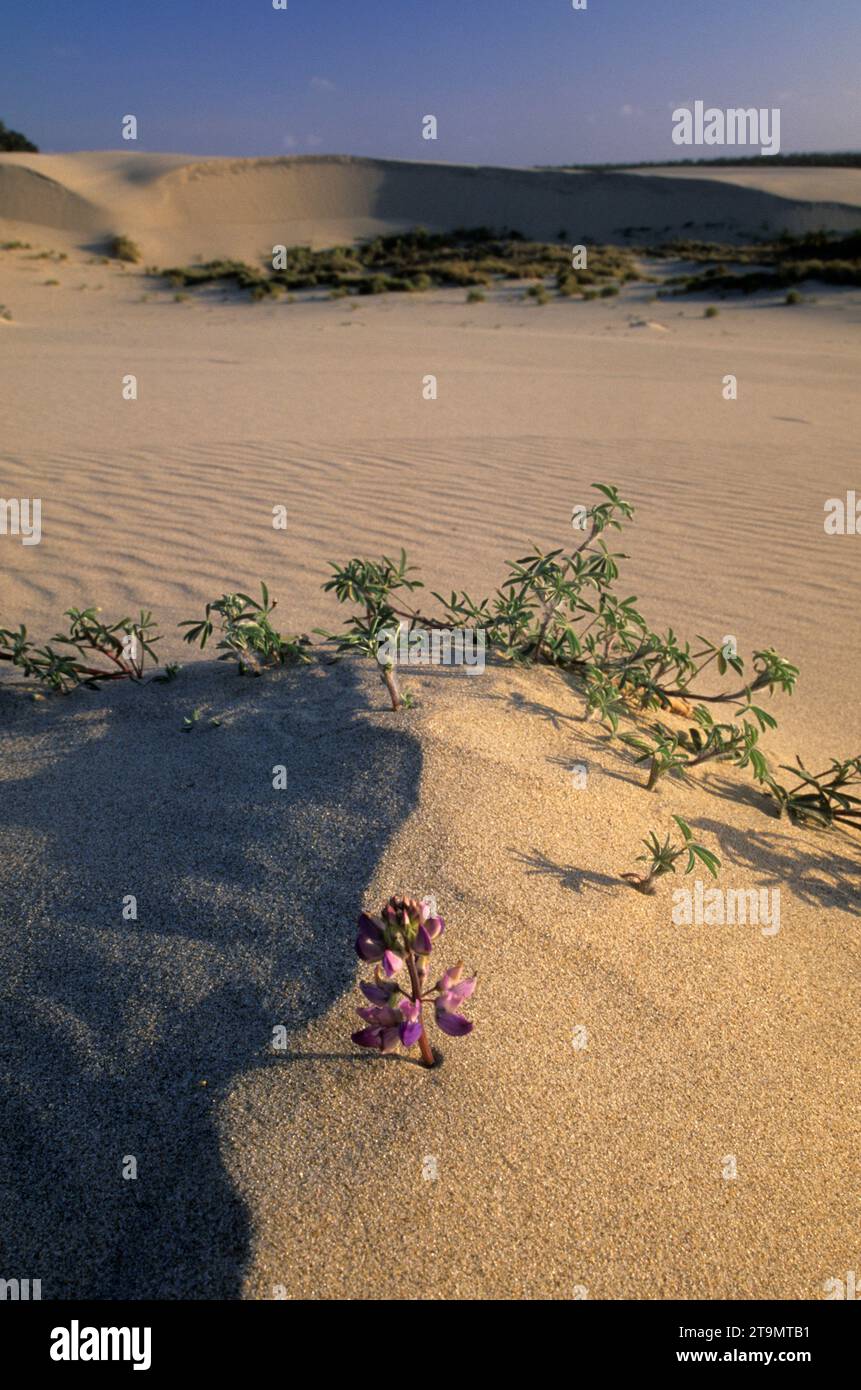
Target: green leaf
column 710, row 860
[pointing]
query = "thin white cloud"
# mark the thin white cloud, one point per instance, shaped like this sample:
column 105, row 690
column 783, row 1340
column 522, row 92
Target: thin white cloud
column 322, row 84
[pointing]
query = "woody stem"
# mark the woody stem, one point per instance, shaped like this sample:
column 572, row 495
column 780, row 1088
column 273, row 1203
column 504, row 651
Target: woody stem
column 392, row 687
column 424, row 1046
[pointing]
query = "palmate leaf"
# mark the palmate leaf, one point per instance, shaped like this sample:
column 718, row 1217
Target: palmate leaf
column 646, row 750
column 809, row 813
column 710, row 860
column 843, row 799
column 568, row 638
column 801, row 771
column 759, row 765
column 609, row 492
column 763, row 718
column 724, row 662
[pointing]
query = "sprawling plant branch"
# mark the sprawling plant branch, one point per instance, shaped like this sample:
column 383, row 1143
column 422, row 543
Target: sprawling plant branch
column 679, row 750
column 125, row 644
column 821, row 799
column 560, row 609
column 553, row 608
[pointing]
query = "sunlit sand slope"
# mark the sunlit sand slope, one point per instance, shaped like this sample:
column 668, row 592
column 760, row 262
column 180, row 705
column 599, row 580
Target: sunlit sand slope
column 177, row 206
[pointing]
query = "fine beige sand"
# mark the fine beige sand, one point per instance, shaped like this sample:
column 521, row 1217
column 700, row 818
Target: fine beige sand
column 177, row 207
column 560, row 1170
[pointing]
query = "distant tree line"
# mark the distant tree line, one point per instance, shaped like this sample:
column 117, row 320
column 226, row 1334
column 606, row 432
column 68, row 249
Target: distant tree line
column 15, row 141
column 846, row 160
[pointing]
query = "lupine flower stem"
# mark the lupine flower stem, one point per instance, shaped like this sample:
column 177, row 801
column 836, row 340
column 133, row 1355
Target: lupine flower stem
column 428, row 1058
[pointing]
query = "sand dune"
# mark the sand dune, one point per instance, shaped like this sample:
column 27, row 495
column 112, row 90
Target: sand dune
column 261, row 1173
column 559, row 1169
column 264, row 1174
column 806, row 184
column 177, row 207
column 33, row 197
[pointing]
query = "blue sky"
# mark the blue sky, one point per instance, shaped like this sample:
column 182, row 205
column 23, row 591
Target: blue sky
column 510, row 81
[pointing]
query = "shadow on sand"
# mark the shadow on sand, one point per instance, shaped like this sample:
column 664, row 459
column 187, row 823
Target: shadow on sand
column 119, row 1037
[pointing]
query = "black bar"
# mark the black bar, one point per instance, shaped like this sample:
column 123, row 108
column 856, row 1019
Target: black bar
column 248, row 1338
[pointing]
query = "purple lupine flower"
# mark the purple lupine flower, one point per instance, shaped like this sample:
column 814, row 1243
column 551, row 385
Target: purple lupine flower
column 404, row 935
column 381, row 1015
column 389, row 1026
column 385, row 1031
column 370, row 943
column 452, row 984
column 381, row 991
column 452, row 993
column 411, row 1028
column 391, row 913
column 392, row 963
column 455, row 1025
column 429, row 930
column 374, row 943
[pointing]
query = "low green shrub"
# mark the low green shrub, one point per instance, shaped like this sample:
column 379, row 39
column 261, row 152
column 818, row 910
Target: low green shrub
column 662, row 858
column 416, row 261
column 122, row 248
column 247, row 634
